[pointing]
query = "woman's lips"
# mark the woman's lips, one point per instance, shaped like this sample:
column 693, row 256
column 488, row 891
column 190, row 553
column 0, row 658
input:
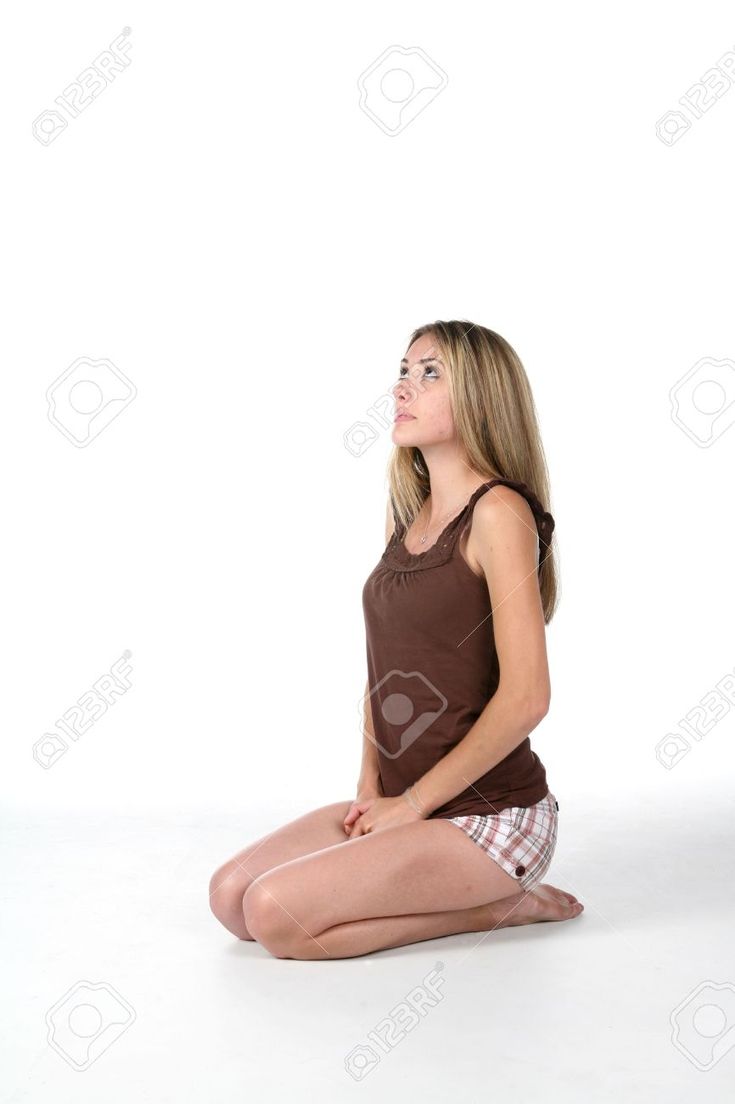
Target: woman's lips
column 404, row 418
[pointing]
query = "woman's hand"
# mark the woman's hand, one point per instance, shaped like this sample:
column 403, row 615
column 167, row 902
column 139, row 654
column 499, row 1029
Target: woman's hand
column 367, row 792
column 376, row 813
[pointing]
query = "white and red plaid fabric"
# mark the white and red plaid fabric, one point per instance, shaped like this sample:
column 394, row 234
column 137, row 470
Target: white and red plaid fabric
column 521, row 840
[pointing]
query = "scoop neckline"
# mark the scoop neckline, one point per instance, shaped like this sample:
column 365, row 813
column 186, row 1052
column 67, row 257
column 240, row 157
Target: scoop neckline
column 419, row 555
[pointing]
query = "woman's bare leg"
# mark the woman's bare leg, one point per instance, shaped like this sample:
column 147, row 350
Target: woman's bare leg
column 543, row 903
column 311, row 832
column 388, row 888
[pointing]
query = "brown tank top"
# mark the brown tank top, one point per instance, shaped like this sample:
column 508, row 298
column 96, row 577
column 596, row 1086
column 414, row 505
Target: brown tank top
column 432, row 664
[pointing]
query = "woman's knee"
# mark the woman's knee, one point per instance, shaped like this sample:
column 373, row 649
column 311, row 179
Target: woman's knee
column 227, row 887
column 266, row 919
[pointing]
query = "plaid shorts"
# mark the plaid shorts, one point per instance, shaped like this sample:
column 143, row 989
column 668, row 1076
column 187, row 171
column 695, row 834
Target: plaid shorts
column 521, row 840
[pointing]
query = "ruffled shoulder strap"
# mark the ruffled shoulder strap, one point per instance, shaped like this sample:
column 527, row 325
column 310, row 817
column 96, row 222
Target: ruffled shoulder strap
column 544, row 521
column 397, row 556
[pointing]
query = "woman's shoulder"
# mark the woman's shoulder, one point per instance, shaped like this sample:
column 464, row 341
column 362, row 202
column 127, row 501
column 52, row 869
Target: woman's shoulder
column 502, row 516
column 499, row 500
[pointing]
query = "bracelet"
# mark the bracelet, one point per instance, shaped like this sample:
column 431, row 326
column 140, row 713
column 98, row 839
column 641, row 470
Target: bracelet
column 409, row 799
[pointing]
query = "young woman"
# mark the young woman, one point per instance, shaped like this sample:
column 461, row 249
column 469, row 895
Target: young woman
column 453, row 825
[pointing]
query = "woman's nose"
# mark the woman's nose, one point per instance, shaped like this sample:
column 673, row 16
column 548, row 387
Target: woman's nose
column 400, row 390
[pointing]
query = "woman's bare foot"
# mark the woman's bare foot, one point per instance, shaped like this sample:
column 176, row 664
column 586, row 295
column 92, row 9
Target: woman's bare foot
column 542, row 903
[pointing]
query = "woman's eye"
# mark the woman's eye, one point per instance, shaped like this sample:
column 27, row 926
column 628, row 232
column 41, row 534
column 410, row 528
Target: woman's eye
column 427, row 368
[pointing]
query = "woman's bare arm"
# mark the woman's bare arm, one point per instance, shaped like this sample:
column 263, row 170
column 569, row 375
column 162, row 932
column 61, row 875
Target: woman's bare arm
column 506, row 542
column 389, row 523
column 369, row 770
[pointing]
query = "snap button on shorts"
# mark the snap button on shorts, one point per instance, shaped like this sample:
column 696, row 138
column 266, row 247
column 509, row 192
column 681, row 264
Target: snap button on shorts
column 521, row 840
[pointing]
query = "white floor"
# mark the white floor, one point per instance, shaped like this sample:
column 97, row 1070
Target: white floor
column 579, row 1011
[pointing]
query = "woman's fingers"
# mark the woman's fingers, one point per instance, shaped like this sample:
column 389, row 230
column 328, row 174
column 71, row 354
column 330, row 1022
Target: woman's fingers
column 356, row 811
column 351, row 821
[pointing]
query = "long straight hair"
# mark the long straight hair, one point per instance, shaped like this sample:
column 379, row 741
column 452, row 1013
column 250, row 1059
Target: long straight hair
column 496, row 424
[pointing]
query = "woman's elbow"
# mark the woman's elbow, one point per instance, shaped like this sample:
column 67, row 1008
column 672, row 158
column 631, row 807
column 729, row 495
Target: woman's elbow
column 530, row 705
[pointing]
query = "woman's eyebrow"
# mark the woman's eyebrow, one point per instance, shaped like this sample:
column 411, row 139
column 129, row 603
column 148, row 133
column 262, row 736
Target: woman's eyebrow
column 424, row 360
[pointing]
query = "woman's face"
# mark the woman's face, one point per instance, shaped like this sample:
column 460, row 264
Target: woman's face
column 422, row 395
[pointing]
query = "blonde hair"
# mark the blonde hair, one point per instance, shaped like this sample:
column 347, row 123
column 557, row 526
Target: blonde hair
column 495, row 420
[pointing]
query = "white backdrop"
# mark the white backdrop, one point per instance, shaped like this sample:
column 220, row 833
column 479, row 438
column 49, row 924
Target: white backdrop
column 249, row 247
column 221, row 223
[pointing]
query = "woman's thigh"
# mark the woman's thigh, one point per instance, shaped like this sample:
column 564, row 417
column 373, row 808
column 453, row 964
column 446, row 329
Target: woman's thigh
column 426, row 866
column 311, row 832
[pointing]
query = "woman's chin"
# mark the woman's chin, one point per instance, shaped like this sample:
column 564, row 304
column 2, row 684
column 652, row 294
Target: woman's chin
column 401, row 432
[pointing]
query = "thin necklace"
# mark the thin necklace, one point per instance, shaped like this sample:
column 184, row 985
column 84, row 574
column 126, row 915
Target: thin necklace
column 423, row 539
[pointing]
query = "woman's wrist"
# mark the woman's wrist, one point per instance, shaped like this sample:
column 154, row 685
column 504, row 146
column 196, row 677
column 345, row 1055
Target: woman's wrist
column 369, row 781
column 413, row 797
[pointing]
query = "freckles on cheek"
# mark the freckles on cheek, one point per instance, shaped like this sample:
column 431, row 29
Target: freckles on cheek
column 442, row 425
column 437, row 417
